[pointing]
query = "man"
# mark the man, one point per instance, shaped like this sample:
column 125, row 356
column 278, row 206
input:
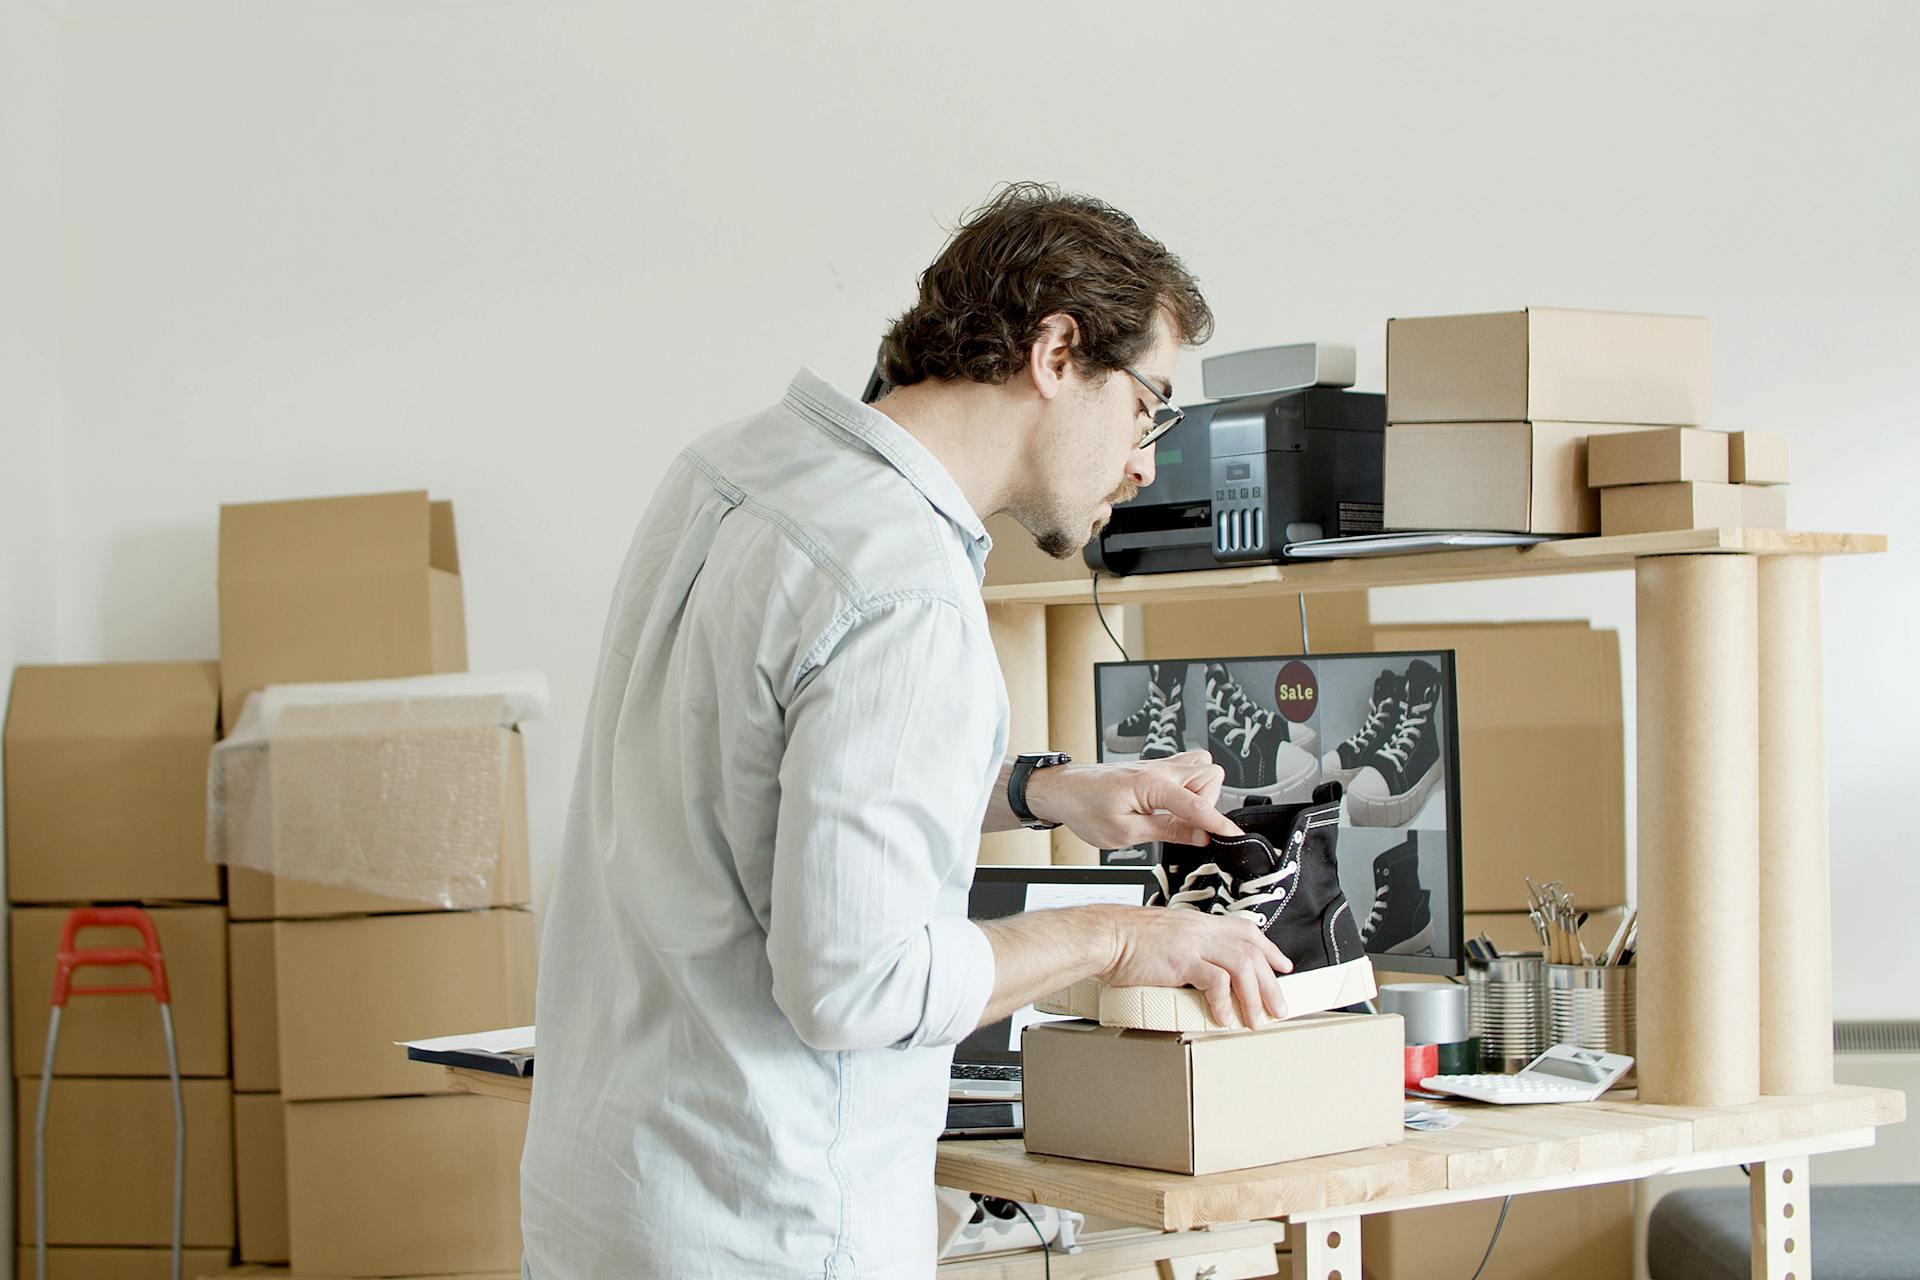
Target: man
column 756, row 954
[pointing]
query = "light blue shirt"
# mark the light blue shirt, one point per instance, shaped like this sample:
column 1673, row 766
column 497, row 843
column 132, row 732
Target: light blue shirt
column 756, row 957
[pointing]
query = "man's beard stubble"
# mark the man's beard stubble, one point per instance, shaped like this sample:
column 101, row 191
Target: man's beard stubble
column 1062, row 545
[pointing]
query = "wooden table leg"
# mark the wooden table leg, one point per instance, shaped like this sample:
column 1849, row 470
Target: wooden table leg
column 1782, row 1220
column 1075, row 641
column 1699, row 893
column 1796, row 951
column 1325, row 1249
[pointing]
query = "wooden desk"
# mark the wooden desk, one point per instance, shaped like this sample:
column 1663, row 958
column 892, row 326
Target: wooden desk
column 1494, row 1152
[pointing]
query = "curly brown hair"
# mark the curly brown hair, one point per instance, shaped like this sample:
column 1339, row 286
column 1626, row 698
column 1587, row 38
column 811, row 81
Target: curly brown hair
column 1031, row 252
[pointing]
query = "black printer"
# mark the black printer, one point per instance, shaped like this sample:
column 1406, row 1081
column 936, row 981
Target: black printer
column 1239, row 478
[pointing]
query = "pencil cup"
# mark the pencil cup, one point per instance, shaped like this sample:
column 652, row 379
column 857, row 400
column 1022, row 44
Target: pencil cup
column 1507, row 1009
column 1592, row 1006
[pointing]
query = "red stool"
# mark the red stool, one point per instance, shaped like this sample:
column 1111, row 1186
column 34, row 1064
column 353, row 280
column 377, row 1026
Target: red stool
column 72, row 959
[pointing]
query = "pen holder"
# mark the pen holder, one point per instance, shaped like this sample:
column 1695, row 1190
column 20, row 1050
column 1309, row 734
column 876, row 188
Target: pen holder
column 1592, row 1006
column 1507, row 1009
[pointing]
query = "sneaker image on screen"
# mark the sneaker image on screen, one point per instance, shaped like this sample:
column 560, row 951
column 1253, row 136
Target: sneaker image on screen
column 1153, row 730
column 1283, row 875
column 1401, row 922
column 1383, row 716
column 1394, row 782
column 1262, row 753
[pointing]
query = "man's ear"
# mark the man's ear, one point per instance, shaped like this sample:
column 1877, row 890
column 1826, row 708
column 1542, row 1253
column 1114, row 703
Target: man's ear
column 1050, row 358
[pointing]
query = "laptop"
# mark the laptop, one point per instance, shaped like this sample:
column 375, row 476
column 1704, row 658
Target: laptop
column 986, row 1065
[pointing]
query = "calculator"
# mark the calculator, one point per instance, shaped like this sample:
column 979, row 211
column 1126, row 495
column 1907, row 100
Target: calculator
column 1564, row 1073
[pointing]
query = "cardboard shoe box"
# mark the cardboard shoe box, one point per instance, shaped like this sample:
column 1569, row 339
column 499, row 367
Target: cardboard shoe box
column 1500, row 477
column 360, row 984
column 1664, row 455
column 110, row 1162
column 1083, row 1084
column 255, row 1007
column 255, row 895
column 1584, row 1233
column 121, row 1035
column 1652, row 508
column 106, row 782
column 404, row 1186
column 122, row 1264
column 1542, row 756
column 355, row 588
column 260, row 1175
column 1757, row 457
column 1549, row 365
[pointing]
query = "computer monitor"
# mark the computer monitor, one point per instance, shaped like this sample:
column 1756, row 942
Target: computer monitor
column 1383, row 725
column 1008, row 890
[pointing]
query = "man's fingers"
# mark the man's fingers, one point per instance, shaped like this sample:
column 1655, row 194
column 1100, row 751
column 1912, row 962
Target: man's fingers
column 1275, row 956
column 1246, row 986
column 1195, row 812
column 1216, row 985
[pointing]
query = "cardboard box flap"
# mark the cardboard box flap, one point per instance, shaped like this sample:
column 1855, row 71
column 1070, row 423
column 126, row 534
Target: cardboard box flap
column 115, row 700
column 334, row 537
column 443, row 550
column 1559, row 673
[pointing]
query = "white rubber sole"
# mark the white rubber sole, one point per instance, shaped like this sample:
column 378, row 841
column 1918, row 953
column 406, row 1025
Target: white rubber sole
column 1330, row 770
column 1125, row 744
column 1081, row 1000
column 1369, row 805
column 1295, row 774
column 1184, row 1009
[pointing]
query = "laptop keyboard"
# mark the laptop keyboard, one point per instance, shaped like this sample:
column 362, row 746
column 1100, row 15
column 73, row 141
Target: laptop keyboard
column 975, row 1071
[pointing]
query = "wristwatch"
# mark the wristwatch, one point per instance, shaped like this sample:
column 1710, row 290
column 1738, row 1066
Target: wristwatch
column 1023, row 767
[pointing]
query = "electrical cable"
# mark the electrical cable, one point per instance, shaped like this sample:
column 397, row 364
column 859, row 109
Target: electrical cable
column 1101, row 614
column 1046, row 1250
column 1504, row 1206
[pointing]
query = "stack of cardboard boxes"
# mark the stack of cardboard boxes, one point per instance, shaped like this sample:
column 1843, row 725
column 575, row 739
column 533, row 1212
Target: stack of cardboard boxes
column 1688, row 478
column 353, row 1161
column 105, row 800
column 1489, row 416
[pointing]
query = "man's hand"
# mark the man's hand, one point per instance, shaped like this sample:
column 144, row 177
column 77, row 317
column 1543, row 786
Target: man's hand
column 1226, row 958
column 1117, row 806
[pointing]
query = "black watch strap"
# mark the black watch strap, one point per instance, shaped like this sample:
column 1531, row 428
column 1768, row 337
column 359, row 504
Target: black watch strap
column 1023, row 767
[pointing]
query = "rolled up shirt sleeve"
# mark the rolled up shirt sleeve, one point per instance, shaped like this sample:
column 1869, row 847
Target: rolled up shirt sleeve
column 892, row 747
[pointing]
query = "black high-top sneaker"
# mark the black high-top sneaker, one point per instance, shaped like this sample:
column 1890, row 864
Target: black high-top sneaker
column 1281, row 874
column 1392, row 786
column 1401, row 922
column 1129, row 737
column 1383, row 716
column 1262, row 753
column 1167, row 727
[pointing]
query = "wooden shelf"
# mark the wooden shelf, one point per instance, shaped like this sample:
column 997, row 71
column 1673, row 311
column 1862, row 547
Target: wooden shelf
column 1492, row 1149
column 1568, row 555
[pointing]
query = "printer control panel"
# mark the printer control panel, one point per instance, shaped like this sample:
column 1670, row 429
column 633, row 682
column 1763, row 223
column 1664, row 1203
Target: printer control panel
column 1240, row 506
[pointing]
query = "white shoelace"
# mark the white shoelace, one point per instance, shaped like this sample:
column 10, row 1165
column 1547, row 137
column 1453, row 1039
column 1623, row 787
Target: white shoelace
column 1161, row 731
column 1209, row 888
column 1378, row 714
column 1405, row 736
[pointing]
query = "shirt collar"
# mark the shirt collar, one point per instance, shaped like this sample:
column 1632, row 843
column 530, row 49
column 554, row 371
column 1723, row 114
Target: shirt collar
column 813, row 395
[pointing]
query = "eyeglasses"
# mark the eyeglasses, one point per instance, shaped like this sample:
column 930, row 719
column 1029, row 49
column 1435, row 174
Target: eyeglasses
column 1165, row 418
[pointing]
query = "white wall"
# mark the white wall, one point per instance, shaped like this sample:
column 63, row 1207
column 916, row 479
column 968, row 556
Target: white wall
column 29, row 381
column 518, row 252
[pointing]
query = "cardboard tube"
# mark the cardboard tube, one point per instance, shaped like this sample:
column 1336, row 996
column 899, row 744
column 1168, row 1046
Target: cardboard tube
column 1020, row 640
column 1699, row 1033
column 1075, row 641
column 1796, row 942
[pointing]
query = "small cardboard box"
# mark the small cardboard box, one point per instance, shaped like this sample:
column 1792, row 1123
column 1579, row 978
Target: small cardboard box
column 1583, row 1233
column 1653, row 508
column 260, row 1175
column 360, row 984
column 1664, row 455
column 255, row 895
column 110, row 1162
column 106, row 778
column 1551, row 365
column 1757, row 457
column 122, row 1264
column 1501, row 477
column 122, row 1035
column 356, row 588
column 404, row 1186
column 1341, row 1077
column 255, row 1007
column 1542, row 756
